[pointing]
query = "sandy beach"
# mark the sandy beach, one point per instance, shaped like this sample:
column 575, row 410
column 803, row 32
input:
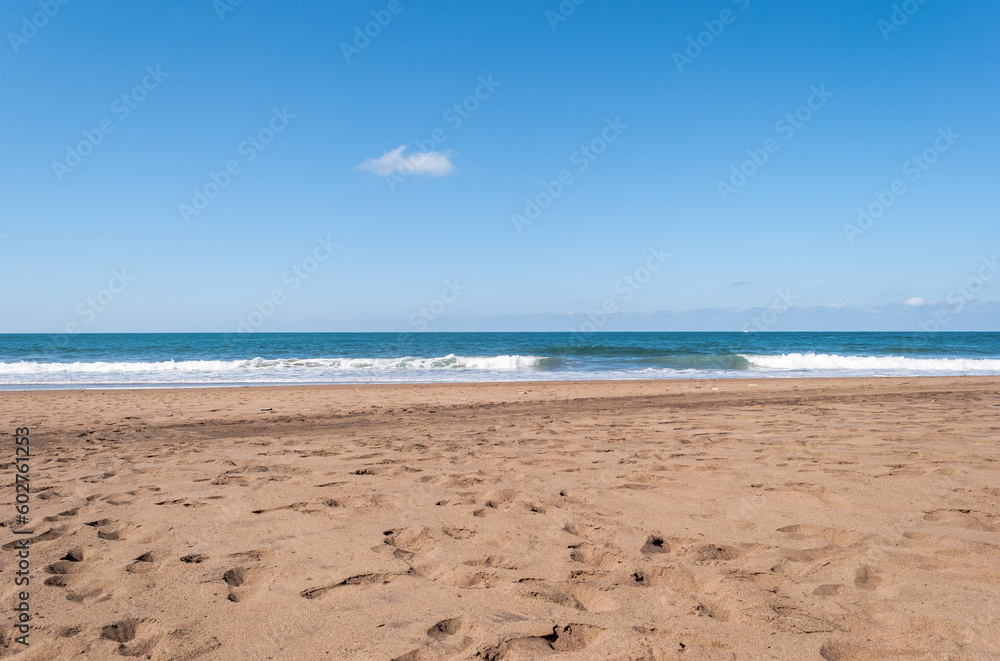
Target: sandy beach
column 827, row 519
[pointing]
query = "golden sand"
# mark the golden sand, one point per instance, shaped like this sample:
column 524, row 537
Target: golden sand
column 832, row 519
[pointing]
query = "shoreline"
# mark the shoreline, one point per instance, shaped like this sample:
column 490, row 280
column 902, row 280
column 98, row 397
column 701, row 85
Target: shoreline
column 345, row 384
column 820, row 518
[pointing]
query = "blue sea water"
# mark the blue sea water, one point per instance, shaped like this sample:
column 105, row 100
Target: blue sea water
column 197, row 359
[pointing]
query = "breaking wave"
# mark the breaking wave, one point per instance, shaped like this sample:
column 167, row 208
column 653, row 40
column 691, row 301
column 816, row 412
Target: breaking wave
column 872, row 364
column 451, row 361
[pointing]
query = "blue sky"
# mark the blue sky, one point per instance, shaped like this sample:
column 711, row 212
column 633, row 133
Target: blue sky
column 107, row 241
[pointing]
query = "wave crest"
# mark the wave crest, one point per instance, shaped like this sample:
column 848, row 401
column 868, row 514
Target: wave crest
column 451, row 361
column 835, row 362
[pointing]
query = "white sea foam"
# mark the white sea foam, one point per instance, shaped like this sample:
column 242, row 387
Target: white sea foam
column 234, row 367
column 452, row 368
column 872, row 364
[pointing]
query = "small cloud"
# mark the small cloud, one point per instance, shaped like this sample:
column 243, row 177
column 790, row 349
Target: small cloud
column 430, row 163
column 915, row 302
column 837, row 306
column 741, row 283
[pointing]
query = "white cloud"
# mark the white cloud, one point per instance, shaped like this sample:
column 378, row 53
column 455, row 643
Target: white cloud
column 430, row 163
column 915, row 302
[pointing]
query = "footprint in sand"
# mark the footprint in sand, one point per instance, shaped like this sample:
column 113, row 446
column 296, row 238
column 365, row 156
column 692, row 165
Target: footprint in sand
column 867, row 577
column 709, row 609
column 254, row 554
column 458, row 533
column 678, row 578
column 124, row 631
column 46, row 494
column 360, row 579
column 53, row 533
column 118, row 534
column 843, row 651
column 69, row 572
column 828, row 590
column 598, row 557
column 119, row 499
column 89, row 594
column 186, row 502
column 713, row 553
column 452, row 502
column 570, row 638
column 504, row 499
column 578, row 596
column 112, row 529
column 834, row 535
column 230, row 478
column 654, row 545
column 813, row 554
column 68, row 514
column 492, row 561
column 71, row 563
column 408, row 542
column 186, row 645
column 965, row 518
column 63, row 569
column 195, row 559
column 236, row 578
column 461, row 578
column 146, row 563
column 445, row 642
column 583, row 530
column 445, row 628
column 135, row 637
column 243, row 582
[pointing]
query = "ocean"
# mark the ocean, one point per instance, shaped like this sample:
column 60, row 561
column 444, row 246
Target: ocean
column 39, row 361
